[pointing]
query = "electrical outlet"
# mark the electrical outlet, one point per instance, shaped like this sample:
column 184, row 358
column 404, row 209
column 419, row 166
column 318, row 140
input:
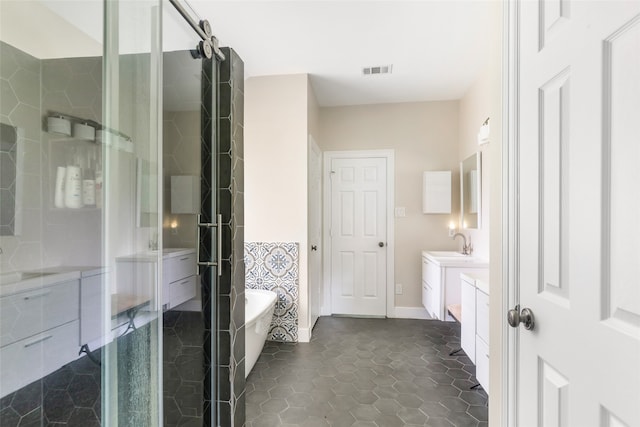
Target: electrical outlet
column 398, row 289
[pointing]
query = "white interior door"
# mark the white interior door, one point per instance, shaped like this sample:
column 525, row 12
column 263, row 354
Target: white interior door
column 358, row 236
column 579, row 213
column 315, row 231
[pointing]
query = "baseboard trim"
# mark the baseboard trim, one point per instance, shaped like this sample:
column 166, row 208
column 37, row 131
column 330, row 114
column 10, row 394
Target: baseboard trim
column 304, row 335
column 411, row 313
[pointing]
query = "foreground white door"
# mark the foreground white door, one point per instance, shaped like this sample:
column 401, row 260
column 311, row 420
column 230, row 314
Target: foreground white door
column 579, row 213
column 358, row 234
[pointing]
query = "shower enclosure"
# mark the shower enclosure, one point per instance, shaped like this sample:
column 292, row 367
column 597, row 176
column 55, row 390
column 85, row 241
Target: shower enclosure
column 103, row 105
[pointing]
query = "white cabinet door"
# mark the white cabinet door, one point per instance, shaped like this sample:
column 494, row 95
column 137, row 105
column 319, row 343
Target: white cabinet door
column 482, row 315
column 92, row 311
column 468, row 322
column 482, row 365
column 434, row 290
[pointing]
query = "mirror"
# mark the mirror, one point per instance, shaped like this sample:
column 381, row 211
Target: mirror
column 470, row 196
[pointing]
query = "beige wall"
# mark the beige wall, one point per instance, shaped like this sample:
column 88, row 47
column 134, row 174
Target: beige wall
column 425, row 137
column 482, row 100
column 275, row 139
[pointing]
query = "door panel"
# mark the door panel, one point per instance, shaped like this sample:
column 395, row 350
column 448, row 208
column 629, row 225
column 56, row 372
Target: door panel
column 358, row 225
column 315, row 231
column 579, row 100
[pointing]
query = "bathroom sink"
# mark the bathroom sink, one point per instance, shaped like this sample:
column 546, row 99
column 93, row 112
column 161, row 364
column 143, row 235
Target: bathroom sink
column 448, row 254
column 152, row 253
column 452, row 258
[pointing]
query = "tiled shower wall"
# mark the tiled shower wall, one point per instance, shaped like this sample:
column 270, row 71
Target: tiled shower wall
column 30, row 88
column 274, row 267
column 231, row 206
column 226, row 299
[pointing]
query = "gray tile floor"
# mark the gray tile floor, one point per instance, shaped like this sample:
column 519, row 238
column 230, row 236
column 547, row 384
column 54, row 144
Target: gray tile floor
column 367, row 372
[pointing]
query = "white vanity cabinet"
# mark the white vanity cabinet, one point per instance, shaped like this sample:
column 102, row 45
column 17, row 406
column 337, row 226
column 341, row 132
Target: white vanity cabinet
column 475, row 323
column 39, row 327
column 441, row 280
column 468, row 322
column 93, row 313
column 482, row 333
column 136, row 275
column 179, row 279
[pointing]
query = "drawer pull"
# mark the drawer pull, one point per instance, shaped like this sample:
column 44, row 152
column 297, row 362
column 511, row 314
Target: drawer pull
column 36, row 341
column 34, row 296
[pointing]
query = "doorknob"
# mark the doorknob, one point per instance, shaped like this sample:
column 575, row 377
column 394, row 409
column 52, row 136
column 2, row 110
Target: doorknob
column 381, row 244
column 515, row 317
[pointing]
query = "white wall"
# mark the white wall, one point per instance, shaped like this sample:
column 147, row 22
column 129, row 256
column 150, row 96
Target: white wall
column 424, row 136
column 275, row 146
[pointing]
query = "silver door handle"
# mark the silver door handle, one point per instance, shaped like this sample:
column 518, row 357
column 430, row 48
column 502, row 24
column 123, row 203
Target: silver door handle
column 515, row 317
column 218, row 227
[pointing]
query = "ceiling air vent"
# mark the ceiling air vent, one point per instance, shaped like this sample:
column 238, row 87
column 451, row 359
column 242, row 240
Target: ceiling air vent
column 378, row 69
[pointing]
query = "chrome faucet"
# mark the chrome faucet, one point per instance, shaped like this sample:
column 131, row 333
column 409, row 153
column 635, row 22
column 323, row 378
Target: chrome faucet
column 153, row 241
column 466, row 248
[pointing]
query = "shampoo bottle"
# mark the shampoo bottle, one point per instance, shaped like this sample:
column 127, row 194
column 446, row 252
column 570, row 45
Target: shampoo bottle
column 89, row 184
column 58, row 197
column 98, row 182
column 73, row 185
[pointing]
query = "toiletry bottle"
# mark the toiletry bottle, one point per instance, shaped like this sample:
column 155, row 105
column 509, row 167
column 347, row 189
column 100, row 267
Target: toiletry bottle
column 89, row 183
column 73, row 184
column 58, row 196
column 98, row 183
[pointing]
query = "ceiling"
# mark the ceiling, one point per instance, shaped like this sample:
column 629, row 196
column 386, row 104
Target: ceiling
column 437, row 48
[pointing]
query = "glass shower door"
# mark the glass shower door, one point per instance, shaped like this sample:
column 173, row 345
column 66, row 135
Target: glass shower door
column 187, row 327
column 80, row 213
column 132, row 213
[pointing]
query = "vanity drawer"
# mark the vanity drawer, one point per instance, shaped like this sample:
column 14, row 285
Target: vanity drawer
column 182, row 290
column 482, row 315
column 32, row 358
column 179, row 267
column 28, row 313
column 482, row 364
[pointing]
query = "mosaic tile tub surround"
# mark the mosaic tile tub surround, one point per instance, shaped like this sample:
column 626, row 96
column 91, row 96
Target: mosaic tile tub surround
column 273, row 266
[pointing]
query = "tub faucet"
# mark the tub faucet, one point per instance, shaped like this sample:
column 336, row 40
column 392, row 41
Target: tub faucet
column 466, row 248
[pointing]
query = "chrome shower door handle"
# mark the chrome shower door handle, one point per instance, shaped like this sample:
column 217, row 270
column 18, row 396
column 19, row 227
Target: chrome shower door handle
column 218, row 227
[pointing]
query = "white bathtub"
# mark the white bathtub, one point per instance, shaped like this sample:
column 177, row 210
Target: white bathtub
column 258, row 313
